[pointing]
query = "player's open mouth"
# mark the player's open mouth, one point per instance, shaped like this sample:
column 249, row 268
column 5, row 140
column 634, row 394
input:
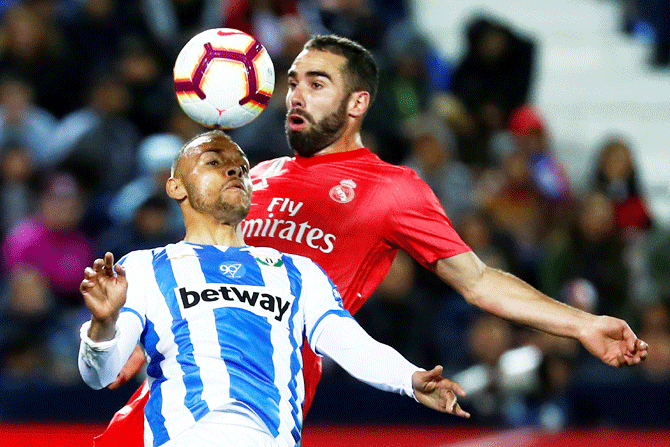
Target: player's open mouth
column 236, row 185
column 297, row 122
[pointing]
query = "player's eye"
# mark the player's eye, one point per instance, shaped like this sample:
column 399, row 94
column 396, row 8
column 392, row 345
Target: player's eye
column 213, row 162
column 317, row 85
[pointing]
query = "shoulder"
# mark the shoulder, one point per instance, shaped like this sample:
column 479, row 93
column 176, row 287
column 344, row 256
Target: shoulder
column 272, row 256
column 146, row 256
column 375, row 165
column 268, row 165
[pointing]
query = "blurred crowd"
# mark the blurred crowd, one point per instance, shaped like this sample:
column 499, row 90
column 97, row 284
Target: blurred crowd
column 89, row 125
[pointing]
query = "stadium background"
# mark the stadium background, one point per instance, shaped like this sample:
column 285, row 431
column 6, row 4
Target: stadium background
column 88, row 124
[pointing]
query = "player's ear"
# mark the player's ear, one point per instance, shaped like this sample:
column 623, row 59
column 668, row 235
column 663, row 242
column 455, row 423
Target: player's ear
column 175, row 189
column 359, row 103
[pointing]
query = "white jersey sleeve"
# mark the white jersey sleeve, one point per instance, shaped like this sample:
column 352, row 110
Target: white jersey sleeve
column 100, row 362
column 333, row 332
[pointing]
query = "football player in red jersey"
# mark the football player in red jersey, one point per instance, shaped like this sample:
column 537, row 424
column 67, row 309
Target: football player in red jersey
column 349, row 211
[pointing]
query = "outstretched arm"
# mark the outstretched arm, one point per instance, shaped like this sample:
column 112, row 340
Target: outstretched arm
column 502, row 294
column 379, row 365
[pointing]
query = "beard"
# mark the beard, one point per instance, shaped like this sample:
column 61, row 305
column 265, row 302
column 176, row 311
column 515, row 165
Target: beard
column 219, row 209
column 319, row 135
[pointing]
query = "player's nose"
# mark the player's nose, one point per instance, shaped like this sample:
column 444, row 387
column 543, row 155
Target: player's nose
column 295, row 98
column 234, row 171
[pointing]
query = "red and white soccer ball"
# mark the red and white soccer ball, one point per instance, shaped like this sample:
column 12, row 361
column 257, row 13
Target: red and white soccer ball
column 223, row 78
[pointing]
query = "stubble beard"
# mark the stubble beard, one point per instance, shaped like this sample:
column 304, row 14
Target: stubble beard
column 219, row 209
column 322, row 134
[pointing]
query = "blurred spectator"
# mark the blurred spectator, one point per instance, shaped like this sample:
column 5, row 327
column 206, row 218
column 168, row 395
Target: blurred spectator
column 262, row 19
column 492, row 79
column 151, row 87
column 590, row 250
column 100, row 144
column 27, row 321
column 95, row 31
column 50, row 241
column 171, row 23
column 616, row 176
column 17, row 186
column 655, row 326
column 432, row 152
column 529, row 135
column 151, row 227
column 23, row 122
column 488, row 338
column 181, row 125
column 657, row 14
column 489, row 243
column 399, row 317
column 656, row 259
column 34, row 50
column 354, row 19
column 155, row 155
column 516, row 207
column 410, row 74
column 549, row 405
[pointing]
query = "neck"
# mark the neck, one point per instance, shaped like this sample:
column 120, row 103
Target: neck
column 349, row 141
column 207, row 232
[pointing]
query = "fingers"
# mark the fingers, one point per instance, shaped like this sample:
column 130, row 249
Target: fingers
column 106, row 265
column 642, row 347
column 456, row 388
column 455, row 408
column 630, row 338
column 88, row 281
column 109, row 261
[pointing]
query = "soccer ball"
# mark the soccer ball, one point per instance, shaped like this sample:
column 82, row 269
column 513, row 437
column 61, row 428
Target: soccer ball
column 223, row 78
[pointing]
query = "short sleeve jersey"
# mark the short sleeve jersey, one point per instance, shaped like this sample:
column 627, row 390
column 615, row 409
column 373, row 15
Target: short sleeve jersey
column 225, row 325
column 349, row 212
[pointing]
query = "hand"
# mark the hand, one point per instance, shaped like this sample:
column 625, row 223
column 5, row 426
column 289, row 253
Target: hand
column 612, row 341
column 438, row 393
column 130, row 369
column 104, row 290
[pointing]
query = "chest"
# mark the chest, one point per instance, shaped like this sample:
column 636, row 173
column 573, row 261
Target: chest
column 317, row 209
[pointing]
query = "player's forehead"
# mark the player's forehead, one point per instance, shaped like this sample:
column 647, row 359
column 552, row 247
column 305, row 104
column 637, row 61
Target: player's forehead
column 213, row 144
column 314, row 62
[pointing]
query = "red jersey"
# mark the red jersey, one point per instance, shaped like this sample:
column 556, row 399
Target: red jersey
column 350, row 212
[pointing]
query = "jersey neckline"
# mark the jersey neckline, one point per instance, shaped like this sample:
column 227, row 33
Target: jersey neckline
column 328, row 158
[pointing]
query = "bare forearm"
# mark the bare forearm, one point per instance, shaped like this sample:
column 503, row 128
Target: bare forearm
column 102, row 330
column 509, row 297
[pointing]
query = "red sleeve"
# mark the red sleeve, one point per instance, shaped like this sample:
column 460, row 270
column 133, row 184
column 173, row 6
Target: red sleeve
column 419, row 225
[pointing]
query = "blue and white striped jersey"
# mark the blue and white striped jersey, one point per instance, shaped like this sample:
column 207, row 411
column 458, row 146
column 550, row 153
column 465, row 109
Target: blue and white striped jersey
column 225, row 325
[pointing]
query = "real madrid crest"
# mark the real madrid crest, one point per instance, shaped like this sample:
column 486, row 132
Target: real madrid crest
column 344, row 192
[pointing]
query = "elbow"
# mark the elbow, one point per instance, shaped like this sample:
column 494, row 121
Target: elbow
column 472, row 295
column 474, row 290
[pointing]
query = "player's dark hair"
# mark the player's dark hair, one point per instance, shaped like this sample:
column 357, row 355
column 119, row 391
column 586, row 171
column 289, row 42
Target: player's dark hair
column 361, row 69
